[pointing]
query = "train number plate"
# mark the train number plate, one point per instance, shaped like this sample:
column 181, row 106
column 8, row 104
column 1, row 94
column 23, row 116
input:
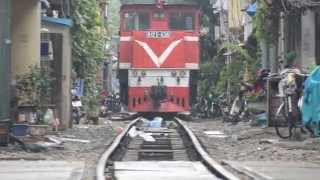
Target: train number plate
column 158, row 34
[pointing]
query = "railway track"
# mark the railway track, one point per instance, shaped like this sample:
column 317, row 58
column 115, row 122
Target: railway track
column 171, row 154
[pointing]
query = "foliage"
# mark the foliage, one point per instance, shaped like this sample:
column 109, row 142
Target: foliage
column 88, row 44
column 113, row 17
column 35, row 87
column 234, row 72
column 92, row 105
column 207, row 20
column 260, row 21
column 209, row 74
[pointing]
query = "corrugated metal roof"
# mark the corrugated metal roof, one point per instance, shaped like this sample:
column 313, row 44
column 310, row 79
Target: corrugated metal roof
column 167, row 2
column 304, row 3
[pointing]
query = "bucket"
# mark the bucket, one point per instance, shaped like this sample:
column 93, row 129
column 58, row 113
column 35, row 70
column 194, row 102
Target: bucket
column 19, row 129
column 4, row 132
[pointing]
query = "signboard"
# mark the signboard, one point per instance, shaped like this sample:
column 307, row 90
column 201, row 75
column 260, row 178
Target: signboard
column 158, row 34
column 78, row 87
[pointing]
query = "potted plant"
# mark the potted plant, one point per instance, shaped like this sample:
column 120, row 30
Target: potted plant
column 34, row 90
column 92, row 107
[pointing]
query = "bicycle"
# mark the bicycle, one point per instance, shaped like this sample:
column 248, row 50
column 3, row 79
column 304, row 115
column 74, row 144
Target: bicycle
column 290, row 91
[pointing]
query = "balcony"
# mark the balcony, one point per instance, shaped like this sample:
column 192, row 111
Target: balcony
column 56, row 8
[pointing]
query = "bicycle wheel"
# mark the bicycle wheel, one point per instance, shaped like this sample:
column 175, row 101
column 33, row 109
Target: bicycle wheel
column 215, row 111
column 283, row 126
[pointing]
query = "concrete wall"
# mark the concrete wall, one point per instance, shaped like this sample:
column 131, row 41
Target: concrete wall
column 4, row 59
column 308, row 39
column 25, row 31
column 64, row 74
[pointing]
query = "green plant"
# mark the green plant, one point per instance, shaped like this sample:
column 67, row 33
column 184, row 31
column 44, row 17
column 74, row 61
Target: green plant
column 35, row 86
column 88, row 50
column 260, row 21
column 35, row 89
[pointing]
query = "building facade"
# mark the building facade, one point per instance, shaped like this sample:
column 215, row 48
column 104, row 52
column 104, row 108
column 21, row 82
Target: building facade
column 4, row 59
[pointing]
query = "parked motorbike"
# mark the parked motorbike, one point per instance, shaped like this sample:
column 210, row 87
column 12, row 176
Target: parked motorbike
column 110, row 104
column 76, row 109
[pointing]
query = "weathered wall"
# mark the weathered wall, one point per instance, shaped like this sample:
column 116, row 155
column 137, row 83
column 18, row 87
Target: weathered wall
column 25, row 35
column 308, row 40
column 4, row 59
column 63, row 71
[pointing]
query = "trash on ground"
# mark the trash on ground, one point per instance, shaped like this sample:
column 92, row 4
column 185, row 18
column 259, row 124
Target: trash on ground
column 143, row 122
column 70, row 139
column 268, row 141
column 172, row 125
column 54, row 139
column 261, row 120
column 49, row 145
column 156, row 122
column 215, row 134
column 147, row 137
column 133, row 132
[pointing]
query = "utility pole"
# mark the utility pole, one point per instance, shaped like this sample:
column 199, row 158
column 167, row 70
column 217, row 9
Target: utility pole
column 5, row 59
column 282, row 41
column 225, row 29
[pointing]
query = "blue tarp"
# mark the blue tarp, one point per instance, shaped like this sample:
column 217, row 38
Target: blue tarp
column 252, row 9
column 311, row 99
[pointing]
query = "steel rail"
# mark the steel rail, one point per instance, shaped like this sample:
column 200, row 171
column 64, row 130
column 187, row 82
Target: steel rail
column 212, row 164
column 209, row 162
column 100, row 170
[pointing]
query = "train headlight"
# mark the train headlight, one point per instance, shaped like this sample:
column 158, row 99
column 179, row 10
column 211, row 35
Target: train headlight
column 134, row 73
column 182, row 73
column 173, row 73
column 143, row 73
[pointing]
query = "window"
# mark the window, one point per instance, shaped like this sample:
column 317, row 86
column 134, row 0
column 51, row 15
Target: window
column 182, row 21
column 159, row 16
column 134, row 21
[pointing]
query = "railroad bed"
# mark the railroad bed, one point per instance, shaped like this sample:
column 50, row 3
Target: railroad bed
column 173, row 154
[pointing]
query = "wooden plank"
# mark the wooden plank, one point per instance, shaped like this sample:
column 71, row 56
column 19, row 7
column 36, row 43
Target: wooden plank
column 169, row 170
column 160, row 150
column 277, row 170
column 39, row 170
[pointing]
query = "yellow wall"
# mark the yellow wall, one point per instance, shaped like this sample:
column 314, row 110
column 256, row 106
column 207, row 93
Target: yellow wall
column 235, row 14
column 25, row 32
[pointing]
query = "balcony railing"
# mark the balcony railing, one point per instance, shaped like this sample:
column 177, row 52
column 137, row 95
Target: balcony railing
column 57, row 8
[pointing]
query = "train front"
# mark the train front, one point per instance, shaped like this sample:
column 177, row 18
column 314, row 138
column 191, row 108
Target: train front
column 159, row 55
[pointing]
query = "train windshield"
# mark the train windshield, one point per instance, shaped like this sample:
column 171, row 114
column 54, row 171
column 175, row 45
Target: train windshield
column 136, row 21
column 181, row 21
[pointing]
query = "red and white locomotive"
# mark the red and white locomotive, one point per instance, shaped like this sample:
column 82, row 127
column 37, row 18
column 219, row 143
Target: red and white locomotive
column 159, row 54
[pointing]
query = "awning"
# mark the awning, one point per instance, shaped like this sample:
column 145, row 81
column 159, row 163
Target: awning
column 58, row 21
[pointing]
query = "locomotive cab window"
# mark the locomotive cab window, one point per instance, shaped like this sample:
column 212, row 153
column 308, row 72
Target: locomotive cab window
column 182, row 21
column 136, row 21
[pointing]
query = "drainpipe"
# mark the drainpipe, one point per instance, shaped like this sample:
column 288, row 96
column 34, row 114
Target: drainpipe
column 5, row 11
